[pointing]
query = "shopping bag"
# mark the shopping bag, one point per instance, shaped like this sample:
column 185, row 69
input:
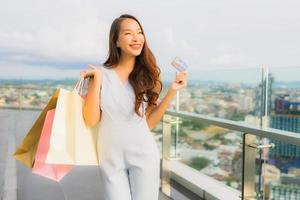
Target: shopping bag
column 54, row 172
column 26, row 151
column 71, row 141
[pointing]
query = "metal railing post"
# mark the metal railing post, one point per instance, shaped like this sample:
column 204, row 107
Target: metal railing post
column 166, row 150
column 248, row 178
column 177, row 104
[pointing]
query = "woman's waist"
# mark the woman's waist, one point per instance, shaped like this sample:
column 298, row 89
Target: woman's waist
column 124, row 125
column 122, row 133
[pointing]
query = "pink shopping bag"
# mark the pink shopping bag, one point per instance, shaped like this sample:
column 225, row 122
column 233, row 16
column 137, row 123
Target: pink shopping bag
column 52, row 171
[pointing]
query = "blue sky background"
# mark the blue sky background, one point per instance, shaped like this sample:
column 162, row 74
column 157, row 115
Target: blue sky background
column 54, row 39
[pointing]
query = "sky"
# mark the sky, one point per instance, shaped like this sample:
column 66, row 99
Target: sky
column 55, row 39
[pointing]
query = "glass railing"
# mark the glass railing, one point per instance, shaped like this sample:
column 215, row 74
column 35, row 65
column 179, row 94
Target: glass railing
column 236, row 154
column 278, row 176
column 233, row 94
column 212, row 150
column 251, row 98
column 282, row 163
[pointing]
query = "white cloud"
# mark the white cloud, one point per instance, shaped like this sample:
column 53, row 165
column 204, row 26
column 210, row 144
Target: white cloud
column 44, row 34
column 178, row 45
column 73, row 33
column 227, row 60
column 23, row 71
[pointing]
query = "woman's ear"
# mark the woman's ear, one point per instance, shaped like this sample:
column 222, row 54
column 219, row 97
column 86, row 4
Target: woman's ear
column 117, row 44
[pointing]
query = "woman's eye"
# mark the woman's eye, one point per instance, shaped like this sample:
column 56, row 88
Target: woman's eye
column 130, row 33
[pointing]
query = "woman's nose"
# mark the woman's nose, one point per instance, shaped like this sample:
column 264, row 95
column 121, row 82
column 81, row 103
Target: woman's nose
column 134, row 37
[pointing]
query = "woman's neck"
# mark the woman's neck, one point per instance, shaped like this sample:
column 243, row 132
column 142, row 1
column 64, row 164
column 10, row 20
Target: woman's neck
column 127, row 62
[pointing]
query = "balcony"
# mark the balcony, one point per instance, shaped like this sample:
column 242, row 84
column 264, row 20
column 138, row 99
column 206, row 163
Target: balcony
column 203, row 156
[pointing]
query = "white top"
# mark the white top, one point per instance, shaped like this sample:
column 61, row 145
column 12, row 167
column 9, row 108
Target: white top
column 117, row 99
column 122, row 131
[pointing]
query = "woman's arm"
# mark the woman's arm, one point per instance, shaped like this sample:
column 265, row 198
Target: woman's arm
column 91, row 108
column 155, row 113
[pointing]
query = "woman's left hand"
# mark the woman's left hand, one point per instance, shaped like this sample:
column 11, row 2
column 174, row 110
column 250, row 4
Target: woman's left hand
column 180, row 81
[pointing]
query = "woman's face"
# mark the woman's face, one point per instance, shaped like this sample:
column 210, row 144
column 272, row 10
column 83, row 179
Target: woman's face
column 131, row 39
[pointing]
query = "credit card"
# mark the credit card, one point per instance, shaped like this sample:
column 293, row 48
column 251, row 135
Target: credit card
column 179, row 64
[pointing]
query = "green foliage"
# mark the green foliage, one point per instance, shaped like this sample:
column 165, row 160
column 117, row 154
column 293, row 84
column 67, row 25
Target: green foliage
column 208, row 147
column 199, row 163
column 182, row 134
column 185, row 123
column 217, row 137
column 198, row 125
column 235, row 114
column 194, row 125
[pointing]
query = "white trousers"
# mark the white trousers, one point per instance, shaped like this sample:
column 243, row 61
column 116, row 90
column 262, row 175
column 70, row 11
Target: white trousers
column 135, row 182
column 129, row 163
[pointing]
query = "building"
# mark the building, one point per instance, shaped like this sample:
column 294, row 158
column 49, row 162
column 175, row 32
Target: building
column 286, row 116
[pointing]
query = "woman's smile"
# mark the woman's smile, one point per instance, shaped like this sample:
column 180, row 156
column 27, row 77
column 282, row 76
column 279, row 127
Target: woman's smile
column 135, row 46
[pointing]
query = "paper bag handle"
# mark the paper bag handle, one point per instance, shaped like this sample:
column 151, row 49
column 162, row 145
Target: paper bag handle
column 79, row 85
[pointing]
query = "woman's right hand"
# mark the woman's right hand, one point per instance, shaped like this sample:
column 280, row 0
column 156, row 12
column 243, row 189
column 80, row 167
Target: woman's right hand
column 94, row 72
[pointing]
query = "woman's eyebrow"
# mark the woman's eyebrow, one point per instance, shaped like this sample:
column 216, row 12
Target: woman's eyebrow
column 131, row 29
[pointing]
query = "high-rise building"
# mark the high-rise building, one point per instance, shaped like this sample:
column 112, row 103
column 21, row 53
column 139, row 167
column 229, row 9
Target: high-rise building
column 286, row 116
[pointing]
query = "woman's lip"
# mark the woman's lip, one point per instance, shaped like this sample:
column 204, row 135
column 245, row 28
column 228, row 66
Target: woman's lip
column 135, row 46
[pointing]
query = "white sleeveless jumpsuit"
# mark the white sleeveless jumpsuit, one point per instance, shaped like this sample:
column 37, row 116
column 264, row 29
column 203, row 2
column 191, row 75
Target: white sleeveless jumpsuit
column 128, row 155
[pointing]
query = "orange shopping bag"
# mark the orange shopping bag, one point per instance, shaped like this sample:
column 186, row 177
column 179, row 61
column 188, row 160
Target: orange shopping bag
column 52, row 171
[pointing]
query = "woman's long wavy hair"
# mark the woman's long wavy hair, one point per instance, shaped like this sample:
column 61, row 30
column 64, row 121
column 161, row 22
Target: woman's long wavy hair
column 145, row 76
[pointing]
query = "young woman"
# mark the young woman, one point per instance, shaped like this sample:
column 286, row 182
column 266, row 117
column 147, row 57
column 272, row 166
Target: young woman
column 123, row 97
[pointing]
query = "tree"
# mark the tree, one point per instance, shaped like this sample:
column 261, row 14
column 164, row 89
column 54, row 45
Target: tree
column 199, row 163
column 199, row 125
column 194, row 125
